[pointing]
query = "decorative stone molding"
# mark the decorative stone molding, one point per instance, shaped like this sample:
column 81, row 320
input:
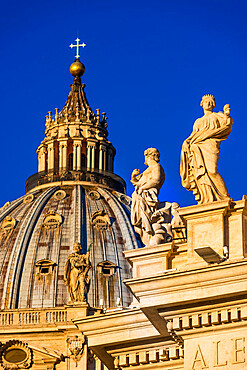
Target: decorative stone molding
column 15, row 354
column 60, row 194
column 44, row 267
column 123, row 198
column 148, row 357
column 28, row 199
column 76, row 348
column 101, row 220
column 179, row 340
column 7, row 226
column 52, row 220
column 5, row 205
column 207, row 318
column 93, row 195
column 107, row 268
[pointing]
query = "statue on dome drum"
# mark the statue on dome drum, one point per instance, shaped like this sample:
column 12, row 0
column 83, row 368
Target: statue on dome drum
column 200, row 153
column 152, row 219
column 76, row 274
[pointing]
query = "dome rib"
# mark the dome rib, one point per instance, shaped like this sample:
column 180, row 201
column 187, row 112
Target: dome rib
column 130, row 235
column 11, row 207
column 19, row 250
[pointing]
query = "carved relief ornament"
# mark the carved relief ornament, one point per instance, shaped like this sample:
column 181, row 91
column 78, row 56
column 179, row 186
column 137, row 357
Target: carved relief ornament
column 60, row 194
column 52, row 220
column 28, row 199
column 101, row 220
column 15, row 355
column 76, row 348
column 7, row 226
column 94, row 195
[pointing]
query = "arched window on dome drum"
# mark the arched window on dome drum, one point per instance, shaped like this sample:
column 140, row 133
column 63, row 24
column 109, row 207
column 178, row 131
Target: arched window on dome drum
column 83, row 161
column 70, row 162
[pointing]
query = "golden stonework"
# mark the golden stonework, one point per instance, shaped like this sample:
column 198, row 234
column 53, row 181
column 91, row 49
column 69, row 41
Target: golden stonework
column 52, row 220
column 7, row 226
column 15, row 355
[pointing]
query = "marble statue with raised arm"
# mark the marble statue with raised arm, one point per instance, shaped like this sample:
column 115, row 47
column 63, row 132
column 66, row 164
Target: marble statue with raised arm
column 76, row 275
column 200, row 153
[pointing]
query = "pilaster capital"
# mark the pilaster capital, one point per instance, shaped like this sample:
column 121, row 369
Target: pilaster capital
column 42, row 150
column 63, row 143
column 91, row 143
column 77, row 143
column 103, row 147
column 50, row 148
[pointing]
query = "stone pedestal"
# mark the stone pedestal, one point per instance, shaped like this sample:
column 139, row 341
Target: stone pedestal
column 75, row 310
column 149, row 261
column 216, row 225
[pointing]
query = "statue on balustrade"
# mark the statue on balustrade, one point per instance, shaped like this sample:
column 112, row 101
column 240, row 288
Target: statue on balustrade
column 200, row 153
column 76, row 274
column 150, row 218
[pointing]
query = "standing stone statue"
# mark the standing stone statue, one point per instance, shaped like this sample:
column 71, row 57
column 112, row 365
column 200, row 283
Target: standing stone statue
column 200, row 153
column 76, row 274
column 145, row 197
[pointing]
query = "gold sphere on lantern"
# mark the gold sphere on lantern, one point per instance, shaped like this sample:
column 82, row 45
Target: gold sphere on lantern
column 77, row 68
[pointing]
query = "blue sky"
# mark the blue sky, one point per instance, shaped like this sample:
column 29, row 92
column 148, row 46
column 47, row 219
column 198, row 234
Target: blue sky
column 148, row 63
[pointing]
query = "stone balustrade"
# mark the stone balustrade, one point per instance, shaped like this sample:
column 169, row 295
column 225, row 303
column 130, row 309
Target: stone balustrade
column 21, row 317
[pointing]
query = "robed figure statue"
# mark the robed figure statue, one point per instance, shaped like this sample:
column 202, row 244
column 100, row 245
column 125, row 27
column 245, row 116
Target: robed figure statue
column 76, row 274
column 200, row 153
column 145, row 197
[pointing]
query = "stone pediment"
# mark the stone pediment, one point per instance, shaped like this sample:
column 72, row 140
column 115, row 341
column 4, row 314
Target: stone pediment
column 44, row 355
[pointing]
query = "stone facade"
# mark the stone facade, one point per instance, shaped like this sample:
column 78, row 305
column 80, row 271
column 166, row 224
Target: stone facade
column 179, row 303
column 191, row 309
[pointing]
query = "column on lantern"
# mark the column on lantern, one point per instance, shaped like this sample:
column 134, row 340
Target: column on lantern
column 41, row 158
column 63, row 154
column 51, row 151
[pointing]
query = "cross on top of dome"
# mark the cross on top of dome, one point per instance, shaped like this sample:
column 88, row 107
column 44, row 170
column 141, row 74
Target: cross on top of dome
column 77, row 46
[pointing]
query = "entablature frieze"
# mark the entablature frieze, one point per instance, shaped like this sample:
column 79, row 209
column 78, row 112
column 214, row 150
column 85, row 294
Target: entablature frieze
column 190, row 286
column 159, row 357
column 202, row 319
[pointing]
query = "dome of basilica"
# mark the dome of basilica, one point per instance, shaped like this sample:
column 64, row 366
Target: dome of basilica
column 75, row 197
